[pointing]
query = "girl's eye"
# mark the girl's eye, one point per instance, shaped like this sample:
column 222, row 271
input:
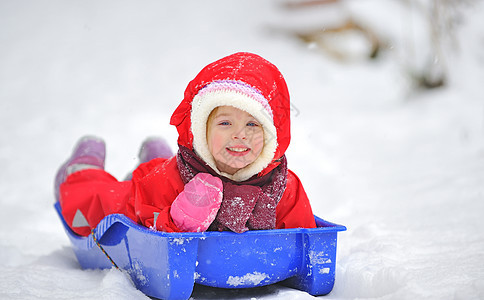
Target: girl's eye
column 252, row 124
column 224, row 123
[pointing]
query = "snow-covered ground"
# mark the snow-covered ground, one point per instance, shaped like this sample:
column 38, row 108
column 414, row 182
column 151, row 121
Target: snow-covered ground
column 402, row 169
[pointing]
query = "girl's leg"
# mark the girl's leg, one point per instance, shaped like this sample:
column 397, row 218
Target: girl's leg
column 89, row 153
column 85, row 191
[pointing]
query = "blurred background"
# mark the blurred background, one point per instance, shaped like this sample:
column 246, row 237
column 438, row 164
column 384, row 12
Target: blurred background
column 387, row 125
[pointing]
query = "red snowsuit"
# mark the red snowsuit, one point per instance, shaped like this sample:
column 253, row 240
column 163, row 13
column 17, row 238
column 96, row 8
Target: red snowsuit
column 148, row 196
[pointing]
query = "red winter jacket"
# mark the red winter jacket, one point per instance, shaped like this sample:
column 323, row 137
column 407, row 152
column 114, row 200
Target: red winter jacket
column 147, row 198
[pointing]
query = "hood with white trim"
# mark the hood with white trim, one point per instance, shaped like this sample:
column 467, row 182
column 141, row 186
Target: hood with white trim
column 245, row 81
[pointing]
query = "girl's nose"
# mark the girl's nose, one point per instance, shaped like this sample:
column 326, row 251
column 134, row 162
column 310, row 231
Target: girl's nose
column 240, row 133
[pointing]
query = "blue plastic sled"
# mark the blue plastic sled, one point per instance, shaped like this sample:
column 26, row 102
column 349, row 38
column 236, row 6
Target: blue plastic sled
column 167, row 265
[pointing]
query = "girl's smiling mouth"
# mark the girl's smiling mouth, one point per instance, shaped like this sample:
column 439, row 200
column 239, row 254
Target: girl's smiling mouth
column 238, row 150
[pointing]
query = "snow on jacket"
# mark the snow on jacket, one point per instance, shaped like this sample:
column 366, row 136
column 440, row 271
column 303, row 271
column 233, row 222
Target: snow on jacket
column 89, row 195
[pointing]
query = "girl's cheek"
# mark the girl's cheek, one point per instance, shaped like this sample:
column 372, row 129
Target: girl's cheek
column 260, row 138
column 217, row 144
column 255, row 135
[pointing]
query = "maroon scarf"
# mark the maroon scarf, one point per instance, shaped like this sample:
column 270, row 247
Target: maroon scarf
column 247, row 205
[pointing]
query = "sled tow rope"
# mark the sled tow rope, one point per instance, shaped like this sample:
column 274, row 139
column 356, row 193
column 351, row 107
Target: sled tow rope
column 102, row 249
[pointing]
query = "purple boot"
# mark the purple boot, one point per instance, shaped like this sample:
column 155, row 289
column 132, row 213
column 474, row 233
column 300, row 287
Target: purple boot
column 89, row 153
column 154, row 147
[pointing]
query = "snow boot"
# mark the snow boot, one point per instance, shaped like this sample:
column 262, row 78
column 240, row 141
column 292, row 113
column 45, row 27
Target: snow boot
column 154, row 147
column 89, row 153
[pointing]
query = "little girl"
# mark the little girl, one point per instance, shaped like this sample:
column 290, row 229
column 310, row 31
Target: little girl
column 230, row 172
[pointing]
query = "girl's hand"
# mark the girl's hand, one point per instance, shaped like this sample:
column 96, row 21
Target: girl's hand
column 195, row 208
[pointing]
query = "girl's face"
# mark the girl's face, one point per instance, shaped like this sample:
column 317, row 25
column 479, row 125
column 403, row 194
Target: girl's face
column 235, row 138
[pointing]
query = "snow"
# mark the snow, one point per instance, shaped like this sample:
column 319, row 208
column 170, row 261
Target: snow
column 402, row 168
column 253, row 278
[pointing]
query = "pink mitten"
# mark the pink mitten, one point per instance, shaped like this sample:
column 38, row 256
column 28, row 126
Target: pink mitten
column 195, row 208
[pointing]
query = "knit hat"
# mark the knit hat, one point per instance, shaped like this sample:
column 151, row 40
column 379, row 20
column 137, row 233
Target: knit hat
column 244, row 97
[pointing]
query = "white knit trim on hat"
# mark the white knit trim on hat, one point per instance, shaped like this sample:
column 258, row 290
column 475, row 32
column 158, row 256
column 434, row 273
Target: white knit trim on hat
column 230, row 93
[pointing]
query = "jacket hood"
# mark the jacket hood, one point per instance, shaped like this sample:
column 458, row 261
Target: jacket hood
column 249, row 70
